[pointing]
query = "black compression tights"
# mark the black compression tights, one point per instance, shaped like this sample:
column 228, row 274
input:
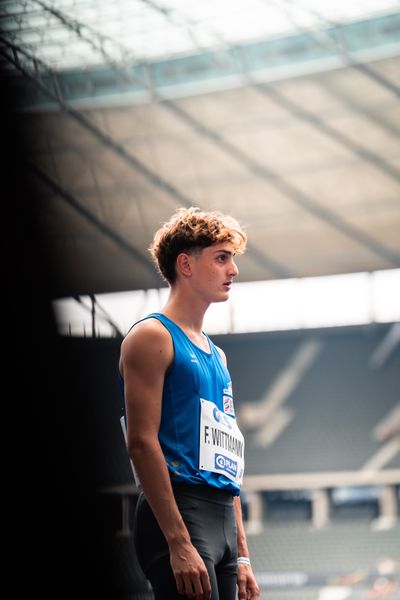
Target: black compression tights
column 210, row 518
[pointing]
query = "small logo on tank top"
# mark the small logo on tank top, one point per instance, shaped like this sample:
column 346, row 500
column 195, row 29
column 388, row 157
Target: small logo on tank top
column 193, row 358
column 228, row 406
column 228, row 400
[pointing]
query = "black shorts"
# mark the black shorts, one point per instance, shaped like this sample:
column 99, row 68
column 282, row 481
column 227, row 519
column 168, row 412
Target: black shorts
column 209, row 515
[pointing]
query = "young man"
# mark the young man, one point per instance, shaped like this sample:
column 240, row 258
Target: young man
column 182, row 434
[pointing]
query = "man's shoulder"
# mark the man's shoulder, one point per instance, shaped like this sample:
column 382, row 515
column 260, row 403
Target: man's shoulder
column 146, row 332
column 148, row 344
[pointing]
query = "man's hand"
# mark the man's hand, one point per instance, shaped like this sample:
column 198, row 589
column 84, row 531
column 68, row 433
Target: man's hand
column 191, row 575
column 246, row 582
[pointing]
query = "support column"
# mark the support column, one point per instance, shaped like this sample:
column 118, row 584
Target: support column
column 320, row 508
column 255, row 512
column 387, row 509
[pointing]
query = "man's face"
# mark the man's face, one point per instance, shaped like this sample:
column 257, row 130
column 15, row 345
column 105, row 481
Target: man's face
column 213, row 271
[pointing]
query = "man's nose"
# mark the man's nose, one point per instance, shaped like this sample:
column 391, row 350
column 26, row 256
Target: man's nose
column 234, row 270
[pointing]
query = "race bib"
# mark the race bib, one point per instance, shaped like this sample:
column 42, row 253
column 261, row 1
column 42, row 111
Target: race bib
column 221, row 443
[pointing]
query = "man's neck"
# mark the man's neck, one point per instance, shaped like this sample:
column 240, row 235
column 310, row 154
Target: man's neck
column 188, row 313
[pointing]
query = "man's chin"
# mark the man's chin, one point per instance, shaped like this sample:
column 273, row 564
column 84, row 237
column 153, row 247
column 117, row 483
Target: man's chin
column 222, row 298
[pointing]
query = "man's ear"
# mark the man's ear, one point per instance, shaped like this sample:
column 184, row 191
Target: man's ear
column 184, row 264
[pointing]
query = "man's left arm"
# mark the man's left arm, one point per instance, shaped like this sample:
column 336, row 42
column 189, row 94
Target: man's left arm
column 247, row 585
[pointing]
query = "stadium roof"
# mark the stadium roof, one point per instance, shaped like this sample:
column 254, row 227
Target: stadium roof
column 284, row 114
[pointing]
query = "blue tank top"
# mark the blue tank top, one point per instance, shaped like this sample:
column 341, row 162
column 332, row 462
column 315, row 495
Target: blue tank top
column 198, row 432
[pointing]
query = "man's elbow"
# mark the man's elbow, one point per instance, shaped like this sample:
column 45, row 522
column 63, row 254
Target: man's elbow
column 140, row 445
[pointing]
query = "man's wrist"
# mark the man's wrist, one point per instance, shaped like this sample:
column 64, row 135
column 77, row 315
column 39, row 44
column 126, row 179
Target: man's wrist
column 178, row 537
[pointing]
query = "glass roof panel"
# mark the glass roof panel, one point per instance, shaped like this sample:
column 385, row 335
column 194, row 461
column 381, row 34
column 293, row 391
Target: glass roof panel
column 60, row 31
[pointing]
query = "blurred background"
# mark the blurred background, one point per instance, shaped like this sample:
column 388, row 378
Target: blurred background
column 285, row 114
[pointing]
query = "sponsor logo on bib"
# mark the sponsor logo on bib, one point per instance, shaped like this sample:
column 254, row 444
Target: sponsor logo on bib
column 224, row 463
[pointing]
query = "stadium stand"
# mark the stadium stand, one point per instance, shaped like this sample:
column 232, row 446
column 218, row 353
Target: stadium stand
column 334, row 551
column 293, row 555
column 337, row 402
column 335, row 405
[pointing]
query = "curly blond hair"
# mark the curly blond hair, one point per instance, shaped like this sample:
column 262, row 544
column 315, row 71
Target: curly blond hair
column 190, row 230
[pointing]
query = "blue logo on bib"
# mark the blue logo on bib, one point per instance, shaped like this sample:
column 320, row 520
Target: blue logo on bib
column 220, row 417
column 217, row 415
column 226, row 464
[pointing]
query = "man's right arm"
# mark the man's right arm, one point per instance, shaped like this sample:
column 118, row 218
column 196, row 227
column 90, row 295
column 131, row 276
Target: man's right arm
column 146, row 354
